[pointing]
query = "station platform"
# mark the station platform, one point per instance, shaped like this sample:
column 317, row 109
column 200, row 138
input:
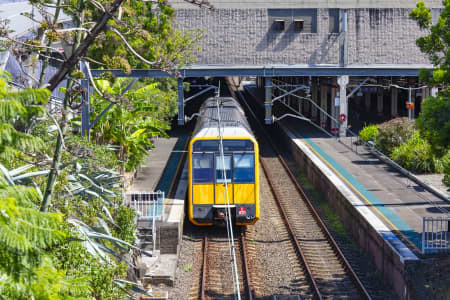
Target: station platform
column 158, row 174
column 397, row 201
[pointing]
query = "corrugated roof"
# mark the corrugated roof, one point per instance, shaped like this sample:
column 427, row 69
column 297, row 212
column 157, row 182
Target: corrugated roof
column 244, row 4
column 13, row 10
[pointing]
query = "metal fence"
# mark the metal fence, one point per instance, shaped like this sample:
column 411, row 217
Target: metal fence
column 435, row 234
column 149, row 205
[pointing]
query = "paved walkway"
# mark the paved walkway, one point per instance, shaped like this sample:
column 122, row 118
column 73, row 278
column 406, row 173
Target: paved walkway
column 400, row 203
column 150, row 174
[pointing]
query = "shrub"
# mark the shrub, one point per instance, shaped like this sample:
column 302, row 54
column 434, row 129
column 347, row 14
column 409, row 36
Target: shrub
column 446, row 166
column 417, row 156
column 394, row 133
column 369, row 133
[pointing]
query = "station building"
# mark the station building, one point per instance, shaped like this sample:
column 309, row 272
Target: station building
column 359, row 58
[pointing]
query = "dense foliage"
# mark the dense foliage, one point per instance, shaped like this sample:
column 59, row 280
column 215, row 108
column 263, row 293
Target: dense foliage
column 65, row 232
column 394, row 133
column 434, row 120
column 416, row 155
column 131, row 123
column 369, row 133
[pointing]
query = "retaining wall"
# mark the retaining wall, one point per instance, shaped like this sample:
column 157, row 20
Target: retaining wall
column 385, row 258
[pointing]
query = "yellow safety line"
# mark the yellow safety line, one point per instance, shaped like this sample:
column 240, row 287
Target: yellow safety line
column 359, row 193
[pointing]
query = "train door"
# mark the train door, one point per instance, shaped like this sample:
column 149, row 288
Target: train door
column 223, row 176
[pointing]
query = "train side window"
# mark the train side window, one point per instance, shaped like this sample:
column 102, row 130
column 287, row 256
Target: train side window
column 244, row 168
column 202, row 165
column 221, row 167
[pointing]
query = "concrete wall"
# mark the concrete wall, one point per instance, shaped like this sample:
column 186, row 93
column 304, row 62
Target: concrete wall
column 242, row 36
column 386, row 260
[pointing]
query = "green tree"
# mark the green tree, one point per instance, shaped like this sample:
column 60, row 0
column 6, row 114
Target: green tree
column 17, row 108
column 131, row 123
column 434, row 120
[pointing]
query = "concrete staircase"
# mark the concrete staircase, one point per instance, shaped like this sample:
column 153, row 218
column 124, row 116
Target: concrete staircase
column 146, row 236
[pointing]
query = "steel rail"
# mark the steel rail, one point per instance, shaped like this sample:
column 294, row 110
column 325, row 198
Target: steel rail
column 203, row 280
column 291, row 231
column 328, row 235
column 245, row 266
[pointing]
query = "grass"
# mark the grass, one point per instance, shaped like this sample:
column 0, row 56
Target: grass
column 310, row 189
column 337, row 225
column 187, row 267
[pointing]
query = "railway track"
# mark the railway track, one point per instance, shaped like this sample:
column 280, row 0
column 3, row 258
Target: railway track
column 216, row 280
column 328, row 272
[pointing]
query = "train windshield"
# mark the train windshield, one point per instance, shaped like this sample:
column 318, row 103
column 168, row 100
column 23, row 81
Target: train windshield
column 223, row 169
column 244, row 168
column 202, row 164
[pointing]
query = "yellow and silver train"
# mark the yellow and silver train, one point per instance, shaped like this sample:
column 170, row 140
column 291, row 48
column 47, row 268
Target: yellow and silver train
column 211, row 174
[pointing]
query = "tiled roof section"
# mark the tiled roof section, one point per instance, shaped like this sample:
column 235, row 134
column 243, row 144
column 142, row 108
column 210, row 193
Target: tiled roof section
column 310, row 4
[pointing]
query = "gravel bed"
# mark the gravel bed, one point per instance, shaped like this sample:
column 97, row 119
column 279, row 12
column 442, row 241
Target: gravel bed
column 273, row 262
column 358, row 259
column 187, row 278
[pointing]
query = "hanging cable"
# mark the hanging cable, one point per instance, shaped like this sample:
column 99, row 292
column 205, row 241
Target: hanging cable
column 228, row 216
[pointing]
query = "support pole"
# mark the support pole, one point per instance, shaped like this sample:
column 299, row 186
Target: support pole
column 343, row 43
column 343, row 105
column 323, row 104
column 334, row 106
column 85, row 108
column 380, row 101
column 410, row 111
column 180, row 102
column 367, row 100
column 268, row 101
column 394, row 102
column 314, row 97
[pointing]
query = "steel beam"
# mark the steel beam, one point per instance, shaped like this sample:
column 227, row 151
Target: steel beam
column 223, row 71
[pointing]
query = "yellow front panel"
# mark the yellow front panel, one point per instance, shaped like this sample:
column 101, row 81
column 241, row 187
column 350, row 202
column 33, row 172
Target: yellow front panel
column 221, row 196
column 203, row 194
column 244, row 193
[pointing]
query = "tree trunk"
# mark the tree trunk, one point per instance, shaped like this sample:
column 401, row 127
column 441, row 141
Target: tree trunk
column 58, row 149
column 78, row 52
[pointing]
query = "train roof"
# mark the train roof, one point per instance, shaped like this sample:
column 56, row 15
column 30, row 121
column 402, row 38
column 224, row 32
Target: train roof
column 232, row 117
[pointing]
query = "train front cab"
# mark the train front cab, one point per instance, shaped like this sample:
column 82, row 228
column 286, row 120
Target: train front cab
column 207, row 198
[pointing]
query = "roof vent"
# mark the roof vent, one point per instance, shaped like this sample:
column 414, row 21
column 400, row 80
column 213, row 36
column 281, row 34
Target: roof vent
column 298, row 25
column 279, row 24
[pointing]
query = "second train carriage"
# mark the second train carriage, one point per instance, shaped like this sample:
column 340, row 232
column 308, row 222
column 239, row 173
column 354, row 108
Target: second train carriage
column 209, row 171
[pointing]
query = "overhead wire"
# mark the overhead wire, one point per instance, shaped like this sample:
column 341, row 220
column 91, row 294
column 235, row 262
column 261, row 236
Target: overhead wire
column 228, row 216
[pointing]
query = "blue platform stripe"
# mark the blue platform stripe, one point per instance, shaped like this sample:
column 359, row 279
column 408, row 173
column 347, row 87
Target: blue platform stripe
column 398, row 222
column 171, row 167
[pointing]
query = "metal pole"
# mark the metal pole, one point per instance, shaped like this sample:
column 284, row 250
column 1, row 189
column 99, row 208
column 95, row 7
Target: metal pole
column 409, row 106
column 180, row 102
column 423, row 235
column 268, row 102
column 85, row 130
